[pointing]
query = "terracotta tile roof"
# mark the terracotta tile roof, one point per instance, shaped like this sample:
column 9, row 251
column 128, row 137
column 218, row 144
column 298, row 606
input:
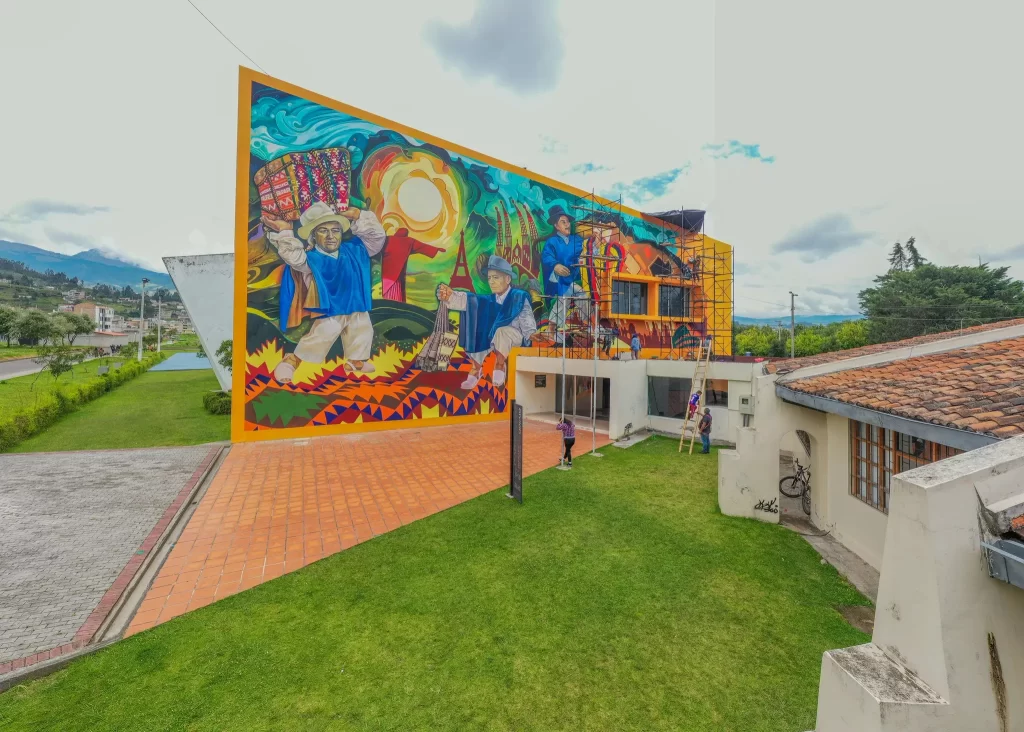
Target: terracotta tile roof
column 977, row 389
column 792, row 364
column 1018, row 525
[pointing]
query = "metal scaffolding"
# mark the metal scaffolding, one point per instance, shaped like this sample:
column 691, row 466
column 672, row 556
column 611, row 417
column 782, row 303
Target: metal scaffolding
column 700, row 267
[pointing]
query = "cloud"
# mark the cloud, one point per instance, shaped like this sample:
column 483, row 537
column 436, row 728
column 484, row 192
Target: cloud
column 1012, row 254
column 552, row 146
column 823, row 238
column 585, row 169
column 518, row 43
column 648, row 188
column 41, row 208
column 720, row 151
column 60, row 236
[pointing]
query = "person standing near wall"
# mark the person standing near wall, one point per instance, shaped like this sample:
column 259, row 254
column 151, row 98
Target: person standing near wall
column 704, row 426
column 634, row 346
column 568, row 430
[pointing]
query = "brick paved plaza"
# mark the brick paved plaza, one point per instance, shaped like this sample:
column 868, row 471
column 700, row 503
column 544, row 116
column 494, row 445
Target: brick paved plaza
column 71, row 522
column 274, row 507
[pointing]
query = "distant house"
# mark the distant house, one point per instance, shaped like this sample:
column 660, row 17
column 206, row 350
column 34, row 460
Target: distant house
column 65, row 308
column 100, row 314
column 74, row 295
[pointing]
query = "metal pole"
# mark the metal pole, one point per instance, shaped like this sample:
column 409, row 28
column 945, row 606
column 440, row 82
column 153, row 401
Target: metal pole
column 792, row 325
column 142, row 316
column 593, row 392
column 159, row 316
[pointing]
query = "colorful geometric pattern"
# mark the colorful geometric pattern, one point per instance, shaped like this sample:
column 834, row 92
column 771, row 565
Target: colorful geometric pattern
column 334, row 395
column 293, row 182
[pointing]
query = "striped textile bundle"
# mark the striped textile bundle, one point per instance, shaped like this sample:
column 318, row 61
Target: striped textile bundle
column 290, row 184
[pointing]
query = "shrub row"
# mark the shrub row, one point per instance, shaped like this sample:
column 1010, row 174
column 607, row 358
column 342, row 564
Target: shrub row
column 217, row 402
column 66, row 399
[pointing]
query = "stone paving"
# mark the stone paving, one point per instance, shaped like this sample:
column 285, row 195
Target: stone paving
column 276, row 506
column 69, row 524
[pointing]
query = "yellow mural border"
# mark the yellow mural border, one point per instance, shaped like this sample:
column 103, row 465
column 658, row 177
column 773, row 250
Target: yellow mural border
column 246, row 78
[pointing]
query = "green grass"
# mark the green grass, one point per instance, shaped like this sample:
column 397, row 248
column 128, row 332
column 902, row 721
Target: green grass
column 159, row 408
column 9, row 352
column 615, row 598
column 183, row 342
column 24, row 391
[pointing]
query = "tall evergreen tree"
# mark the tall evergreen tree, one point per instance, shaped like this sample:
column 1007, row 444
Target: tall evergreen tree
column 913, row 257
column 897, row 258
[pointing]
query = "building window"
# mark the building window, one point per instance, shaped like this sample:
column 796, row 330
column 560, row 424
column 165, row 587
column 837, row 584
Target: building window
column 667, row 396
column 629, row 298
column 673, row 301
column 876, row 454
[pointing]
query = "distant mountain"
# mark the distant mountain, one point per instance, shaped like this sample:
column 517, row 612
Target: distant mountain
column 93, row 266
column 802, row 319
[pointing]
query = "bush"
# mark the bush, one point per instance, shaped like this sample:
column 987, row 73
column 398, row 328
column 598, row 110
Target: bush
column 64, row 400
column 217, row 402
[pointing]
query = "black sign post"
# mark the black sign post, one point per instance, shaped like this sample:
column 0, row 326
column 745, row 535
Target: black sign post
column 515, row 483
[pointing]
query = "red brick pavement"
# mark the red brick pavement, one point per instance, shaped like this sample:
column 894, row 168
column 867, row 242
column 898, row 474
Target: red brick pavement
column 275, row 507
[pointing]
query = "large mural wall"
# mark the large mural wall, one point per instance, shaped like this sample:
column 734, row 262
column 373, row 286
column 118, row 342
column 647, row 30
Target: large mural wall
column 384, row 278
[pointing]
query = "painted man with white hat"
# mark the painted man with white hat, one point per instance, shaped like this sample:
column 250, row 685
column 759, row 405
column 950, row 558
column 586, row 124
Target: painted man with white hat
column 328, row 278
column 496, row 322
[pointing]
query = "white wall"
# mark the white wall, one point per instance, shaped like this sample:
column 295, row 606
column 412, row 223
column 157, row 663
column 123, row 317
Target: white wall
column 205, row 283
column 104, row 340
column 534, row 399
column 940, row 620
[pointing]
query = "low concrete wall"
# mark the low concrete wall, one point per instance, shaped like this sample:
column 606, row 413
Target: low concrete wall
column 944, row 629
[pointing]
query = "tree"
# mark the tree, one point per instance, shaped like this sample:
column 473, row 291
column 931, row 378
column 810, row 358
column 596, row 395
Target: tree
column 810, row 341
column 8, row 324
column 58, row 360
column 850, row 334
column 34, row 326
column 72, row 325
column 897, row 258
column 757, row 340
column 224, row 354
column 904, row 304
column 913, row 257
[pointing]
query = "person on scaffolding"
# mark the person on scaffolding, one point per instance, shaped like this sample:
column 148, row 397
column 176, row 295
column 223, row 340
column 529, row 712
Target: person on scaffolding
column 568, row 430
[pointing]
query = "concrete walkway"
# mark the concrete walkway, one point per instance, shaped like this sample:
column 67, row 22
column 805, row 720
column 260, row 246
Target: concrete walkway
column 18, row 367
column 275, row 507
column 74, row 528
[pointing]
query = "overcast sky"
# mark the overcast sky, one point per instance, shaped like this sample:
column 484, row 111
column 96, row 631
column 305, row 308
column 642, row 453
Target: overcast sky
column 814, row 133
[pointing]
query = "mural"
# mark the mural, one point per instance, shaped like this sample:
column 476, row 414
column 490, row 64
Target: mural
column 384, row 278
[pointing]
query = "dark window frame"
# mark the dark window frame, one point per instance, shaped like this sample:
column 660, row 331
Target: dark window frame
column 876, row 454
column 683, row 302
column 629, row 297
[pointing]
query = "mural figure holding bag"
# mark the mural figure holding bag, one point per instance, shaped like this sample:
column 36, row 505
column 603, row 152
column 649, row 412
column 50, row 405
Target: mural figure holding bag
column 496, row 322
column 328, row 278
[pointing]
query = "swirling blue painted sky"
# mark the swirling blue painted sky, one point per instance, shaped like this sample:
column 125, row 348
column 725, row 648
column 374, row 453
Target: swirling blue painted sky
column 814, row 133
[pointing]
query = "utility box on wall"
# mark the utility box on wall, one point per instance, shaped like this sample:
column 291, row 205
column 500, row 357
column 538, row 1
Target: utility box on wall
column 747, row 404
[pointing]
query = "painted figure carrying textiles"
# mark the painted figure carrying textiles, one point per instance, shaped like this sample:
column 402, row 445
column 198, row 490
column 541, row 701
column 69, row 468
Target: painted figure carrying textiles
column 497, row 322
column 327, row 278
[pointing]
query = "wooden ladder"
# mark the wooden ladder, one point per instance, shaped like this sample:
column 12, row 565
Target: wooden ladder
column 698, row 383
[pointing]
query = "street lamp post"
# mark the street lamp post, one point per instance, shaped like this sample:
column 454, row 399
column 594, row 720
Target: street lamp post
column 142, row 316
column 159, row 317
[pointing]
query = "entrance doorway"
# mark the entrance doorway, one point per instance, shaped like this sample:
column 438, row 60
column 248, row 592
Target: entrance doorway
column 578, row 396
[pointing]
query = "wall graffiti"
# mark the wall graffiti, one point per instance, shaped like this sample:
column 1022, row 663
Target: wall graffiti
column 767, row 506
column 384, row 276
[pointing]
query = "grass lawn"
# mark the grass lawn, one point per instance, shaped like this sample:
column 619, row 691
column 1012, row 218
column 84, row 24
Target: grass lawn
column 24, row 391
column 615, row 598
column 10, row 352
column 184, row 342
column 156, row 409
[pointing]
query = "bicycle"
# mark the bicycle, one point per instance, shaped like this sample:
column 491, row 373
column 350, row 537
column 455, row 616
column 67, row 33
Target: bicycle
column 798, row 486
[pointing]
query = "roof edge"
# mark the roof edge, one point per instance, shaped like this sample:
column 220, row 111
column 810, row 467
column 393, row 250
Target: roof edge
column 949, row 436
column 902, row 353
